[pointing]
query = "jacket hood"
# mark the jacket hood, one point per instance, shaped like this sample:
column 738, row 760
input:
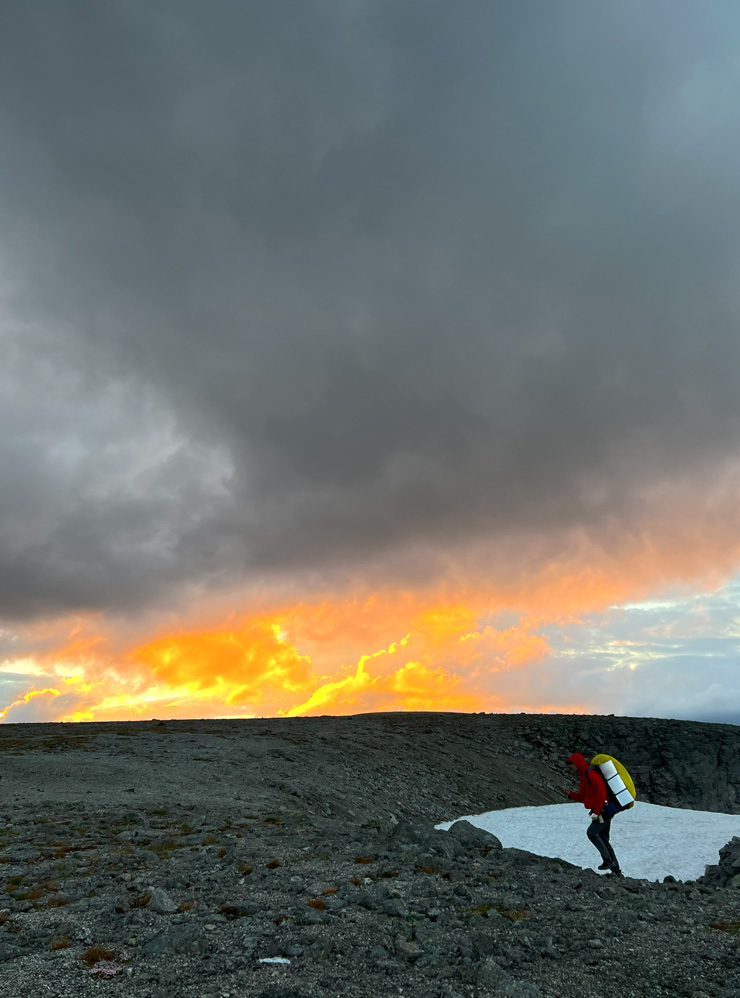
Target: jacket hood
column 581, row 764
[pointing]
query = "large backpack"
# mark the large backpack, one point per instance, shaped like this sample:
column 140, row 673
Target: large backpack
column 620, row 790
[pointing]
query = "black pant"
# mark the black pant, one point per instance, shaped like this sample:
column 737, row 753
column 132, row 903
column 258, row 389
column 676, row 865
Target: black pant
column 598, row 833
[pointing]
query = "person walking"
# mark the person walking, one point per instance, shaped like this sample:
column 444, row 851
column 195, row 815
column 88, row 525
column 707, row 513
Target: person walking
column 592, row 793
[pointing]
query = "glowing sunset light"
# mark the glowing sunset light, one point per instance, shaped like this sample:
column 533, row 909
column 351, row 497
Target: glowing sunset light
column 383, row 651
column 316, row 434
column 26, row 698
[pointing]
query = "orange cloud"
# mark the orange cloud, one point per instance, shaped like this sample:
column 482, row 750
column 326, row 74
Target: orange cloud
column 26, row 698
column 472, row 642
column 413, row 686
column 243, row 664
column 426, row 656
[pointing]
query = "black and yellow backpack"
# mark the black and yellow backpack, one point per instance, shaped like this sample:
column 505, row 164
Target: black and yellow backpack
column 620, row 790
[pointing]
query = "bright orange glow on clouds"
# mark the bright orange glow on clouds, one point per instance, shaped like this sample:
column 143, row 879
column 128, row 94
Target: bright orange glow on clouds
column 260, row 667
column 250, row 662
column 478, row 643
column 441, row 660
column 26, row 698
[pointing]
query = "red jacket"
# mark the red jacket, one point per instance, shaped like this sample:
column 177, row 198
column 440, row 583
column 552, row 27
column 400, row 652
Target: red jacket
column 591, row 788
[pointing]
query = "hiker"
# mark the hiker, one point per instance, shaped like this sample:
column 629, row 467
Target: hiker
column 592, row 792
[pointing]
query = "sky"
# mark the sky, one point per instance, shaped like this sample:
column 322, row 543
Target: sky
column 689, row 840
column 369, row 355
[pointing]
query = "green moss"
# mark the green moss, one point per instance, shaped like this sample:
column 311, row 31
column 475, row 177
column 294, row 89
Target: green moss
column 163, row 850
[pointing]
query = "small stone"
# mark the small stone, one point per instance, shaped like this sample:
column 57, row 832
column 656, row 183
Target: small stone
column 409, row 950
column 160, row 902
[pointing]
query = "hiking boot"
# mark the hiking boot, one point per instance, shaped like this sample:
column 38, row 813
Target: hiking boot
column 604, row 866
column 615, row 872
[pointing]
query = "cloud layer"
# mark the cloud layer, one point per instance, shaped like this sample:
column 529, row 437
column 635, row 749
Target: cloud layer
column 381, row 295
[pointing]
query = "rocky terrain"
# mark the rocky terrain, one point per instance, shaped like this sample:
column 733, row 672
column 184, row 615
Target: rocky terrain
column 298, row 858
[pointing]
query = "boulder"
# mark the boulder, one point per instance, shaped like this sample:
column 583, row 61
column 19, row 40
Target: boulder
column 161, row 902
column 726, row 873
column 471, row 836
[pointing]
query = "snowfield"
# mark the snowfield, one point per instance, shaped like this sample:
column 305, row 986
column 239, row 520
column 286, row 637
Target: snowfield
column 651, row 842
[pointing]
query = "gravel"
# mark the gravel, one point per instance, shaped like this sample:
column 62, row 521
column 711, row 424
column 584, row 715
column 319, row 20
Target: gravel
column 312, row 867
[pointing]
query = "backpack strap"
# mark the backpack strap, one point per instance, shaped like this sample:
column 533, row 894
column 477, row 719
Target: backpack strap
column 612, row 805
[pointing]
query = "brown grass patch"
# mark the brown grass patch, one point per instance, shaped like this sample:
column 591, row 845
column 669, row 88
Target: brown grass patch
column 221, row 853
column 514, row 914
column 59, row 943
column 317, row 903
column 364, row 859
column 244, row 868
column 328, row 890
column 273, row 864
column 63, row 849
column 95, row 954
column 57, row 902
column 141, row 902
column 732, row 927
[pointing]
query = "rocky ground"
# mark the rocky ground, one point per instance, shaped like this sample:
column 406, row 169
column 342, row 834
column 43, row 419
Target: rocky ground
column 289, row 858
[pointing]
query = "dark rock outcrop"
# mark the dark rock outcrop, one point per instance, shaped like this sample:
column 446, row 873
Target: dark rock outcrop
column 674, row 763
column 727, row 872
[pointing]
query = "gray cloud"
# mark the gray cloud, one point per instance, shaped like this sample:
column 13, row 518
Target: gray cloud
column 293, row 291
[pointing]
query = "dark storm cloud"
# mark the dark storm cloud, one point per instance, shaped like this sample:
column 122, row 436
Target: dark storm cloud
column 353, row 274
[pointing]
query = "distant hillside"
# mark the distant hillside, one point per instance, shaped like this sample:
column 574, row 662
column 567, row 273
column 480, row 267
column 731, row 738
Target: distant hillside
column 420, row 766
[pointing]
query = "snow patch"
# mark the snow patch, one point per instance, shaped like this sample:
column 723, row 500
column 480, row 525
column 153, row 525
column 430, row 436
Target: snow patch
column 651, row 841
